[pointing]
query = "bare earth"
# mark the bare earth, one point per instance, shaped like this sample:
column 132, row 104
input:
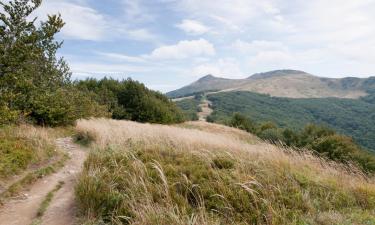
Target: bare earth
column 61, row 210
column 206, row 110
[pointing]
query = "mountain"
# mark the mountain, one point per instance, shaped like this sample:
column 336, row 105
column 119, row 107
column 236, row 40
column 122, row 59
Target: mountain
column 283, row 83
column 207, row 83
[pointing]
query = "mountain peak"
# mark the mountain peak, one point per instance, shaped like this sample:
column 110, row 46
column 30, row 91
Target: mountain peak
column 207, row 78
column 277, row 73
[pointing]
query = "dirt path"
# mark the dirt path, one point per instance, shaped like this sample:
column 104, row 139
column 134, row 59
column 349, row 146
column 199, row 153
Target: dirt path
column 61, row 210
column 206, row 110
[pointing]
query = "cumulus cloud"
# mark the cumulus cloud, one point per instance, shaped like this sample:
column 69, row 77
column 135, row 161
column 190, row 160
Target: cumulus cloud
column 193, row 50
column 183, row 50
column 82, row 22
column 225, row 67
column 193, row 27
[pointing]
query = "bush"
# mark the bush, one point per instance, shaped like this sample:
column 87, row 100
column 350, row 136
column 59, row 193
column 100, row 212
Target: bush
column 63, row 107
column 131, row 100
column 322, row 140
column 272, row 135
column 241, row 122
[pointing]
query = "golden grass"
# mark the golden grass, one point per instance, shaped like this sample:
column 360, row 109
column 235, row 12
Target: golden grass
column 284, row 186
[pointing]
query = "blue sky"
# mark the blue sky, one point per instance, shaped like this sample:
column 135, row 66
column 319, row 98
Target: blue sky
column 169, row 43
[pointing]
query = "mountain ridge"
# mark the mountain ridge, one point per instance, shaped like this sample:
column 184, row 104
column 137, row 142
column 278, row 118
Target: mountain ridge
column 283, row 83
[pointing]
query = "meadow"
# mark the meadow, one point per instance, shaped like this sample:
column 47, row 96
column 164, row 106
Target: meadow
column 201, row 173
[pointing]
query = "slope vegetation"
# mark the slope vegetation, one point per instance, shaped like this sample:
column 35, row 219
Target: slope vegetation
column 355, row 118
column 200, row 173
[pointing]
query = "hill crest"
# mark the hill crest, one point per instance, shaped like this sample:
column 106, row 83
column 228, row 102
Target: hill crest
column 283, row 83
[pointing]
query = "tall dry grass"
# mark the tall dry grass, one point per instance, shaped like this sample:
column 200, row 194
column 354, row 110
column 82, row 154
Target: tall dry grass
column 256, row 182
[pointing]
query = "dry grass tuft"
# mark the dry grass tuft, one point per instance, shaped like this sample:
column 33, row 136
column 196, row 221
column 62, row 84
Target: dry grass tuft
column 200, row 173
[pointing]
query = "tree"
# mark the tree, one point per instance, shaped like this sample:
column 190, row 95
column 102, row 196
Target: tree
column 28, row 63
column 241, row 122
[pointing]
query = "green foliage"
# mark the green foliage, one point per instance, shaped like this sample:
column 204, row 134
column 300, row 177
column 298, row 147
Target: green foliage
column 63, row 107
column 34, row 83
column 129, row 99
column 15, row 154
column 351, row 117
column 322, row 140
column 241, row 122
column 190, row 108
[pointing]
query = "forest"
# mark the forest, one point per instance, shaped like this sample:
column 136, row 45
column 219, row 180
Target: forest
column 352, row 117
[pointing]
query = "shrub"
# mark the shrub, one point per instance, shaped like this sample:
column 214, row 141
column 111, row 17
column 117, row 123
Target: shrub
column 129, row 99
column 63, row 107
column 273, row 135
column 241, row 122
column 322, row 140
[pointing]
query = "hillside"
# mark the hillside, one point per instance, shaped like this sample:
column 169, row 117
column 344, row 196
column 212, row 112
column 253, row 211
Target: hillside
column 283, row 83
column 200, row 173
column 352, row 117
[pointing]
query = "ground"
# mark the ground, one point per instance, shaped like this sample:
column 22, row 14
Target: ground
column 61, row 210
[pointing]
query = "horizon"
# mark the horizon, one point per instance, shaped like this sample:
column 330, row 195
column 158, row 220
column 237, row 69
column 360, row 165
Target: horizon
column 168, row 44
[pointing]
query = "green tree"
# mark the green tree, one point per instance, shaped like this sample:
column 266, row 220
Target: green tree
column 241, row 122
column 28, row 63
column 34, row 83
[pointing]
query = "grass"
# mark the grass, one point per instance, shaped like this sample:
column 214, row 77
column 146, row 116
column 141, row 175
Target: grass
column 47, row 200
column 26, row 146
column 192, row 174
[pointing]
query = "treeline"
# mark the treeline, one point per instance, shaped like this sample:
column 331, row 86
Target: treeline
column 36, row 86
column 324, row 141
column 131, row 100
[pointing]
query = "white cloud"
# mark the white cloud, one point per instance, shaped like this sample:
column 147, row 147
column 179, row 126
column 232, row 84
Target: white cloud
column 334, row 21
column 257, row 46
column 226, row 67
column 82, row 22
column 272, row 59
column 122, row 57
column 235, row 15
column 135, row 11
column 141, row 35
column 193, row 27
column 182, row 50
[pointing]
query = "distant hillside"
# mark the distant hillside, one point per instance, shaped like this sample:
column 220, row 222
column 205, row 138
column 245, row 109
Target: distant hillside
column 206, row 83
column 284, row 83
column 352, row 117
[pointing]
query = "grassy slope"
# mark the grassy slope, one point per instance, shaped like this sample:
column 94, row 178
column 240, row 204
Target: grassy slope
column 199, row 173
column 355, row 118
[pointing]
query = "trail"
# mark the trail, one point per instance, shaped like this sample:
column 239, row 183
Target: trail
column 61, row 210
column 206, row 110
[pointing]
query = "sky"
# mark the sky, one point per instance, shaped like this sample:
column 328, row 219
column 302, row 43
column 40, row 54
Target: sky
column 167, row 44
